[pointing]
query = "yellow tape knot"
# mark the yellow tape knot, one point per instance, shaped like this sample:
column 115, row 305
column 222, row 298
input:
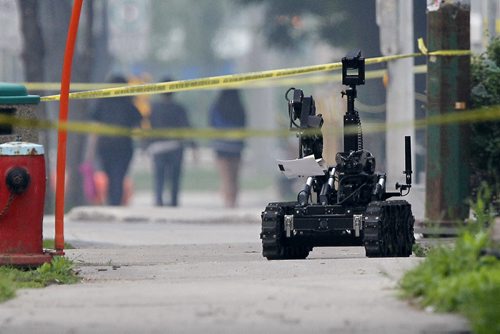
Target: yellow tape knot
column 422, row 47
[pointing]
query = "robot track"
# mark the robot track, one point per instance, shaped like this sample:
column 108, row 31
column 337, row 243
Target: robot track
column 274, row 244
column 388, row 229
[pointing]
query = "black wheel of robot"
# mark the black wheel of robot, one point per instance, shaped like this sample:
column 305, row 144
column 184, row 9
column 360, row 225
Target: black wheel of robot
column 399, row 231
column 274, row 244
column 377, row 230
column 409, row 237
column 392, row 230
column 404, row 230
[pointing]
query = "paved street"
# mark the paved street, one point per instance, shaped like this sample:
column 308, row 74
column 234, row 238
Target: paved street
column 167, row 277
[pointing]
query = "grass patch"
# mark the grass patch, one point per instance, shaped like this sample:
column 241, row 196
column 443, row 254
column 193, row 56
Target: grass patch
column 459, row 278
column 59, row 271
column 421, row 250
column 198, row 179
column 49, row 244
column 202, row 179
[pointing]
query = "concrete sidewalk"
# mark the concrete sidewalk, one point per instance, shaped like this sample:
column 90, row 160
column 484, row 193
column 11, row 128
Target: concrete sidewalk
column 212, row 278
column 198, row 268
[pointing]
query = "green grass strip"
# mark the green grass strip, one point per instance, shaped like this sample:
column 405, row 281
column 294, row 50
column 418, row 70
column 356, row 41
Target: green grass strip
column 59, row 271
column 459, row 279
column 50, row 244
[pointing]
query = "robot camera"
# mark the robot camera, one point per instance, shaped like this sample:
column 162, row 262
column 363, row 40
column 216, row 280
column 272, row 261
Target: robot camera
column 353, row 69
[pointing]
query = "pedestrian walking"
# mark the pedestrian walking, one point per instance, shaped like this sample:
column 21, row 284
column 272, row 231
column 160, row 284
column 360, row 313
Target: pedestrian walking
column 168, row 154
column 115, row 152
column 227, row 112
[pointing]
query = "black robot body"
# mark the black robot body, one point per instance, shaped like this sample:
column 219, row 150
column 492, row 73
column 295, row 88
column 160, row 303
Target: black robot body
column 347, row 204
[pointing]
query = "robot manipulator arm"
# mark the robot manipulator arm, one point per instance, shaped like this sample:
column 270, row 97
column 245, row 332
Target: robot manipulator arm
column 303, row 110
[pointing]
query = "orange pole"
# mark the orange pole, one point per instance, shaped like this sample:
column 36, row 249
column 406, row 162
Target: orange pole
column 62, row 135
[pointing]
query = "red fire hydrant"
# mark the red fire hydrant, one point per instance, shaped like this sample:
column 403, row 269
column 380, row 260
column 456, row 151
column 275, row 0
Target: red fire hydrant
column 22, row 196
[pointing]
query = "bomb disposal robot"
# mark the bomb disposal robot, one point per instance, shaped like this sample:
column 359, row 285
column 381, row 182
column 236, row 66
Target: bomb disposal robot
column 345, row 205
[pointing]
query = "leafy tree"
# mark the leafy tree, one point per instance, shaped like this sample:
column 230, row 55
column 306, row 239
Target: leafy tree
column 195, row 24
column 347, row 24
column 485, row 152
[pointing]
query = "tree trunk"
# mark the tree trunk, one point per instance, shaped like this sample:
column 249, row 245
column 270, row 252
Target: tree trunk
column 33, row 60
column 54, row 29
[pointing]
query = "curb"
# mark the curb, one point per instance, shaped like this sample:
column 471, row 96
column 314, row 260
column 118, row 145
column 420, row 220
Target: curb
column 163, row 215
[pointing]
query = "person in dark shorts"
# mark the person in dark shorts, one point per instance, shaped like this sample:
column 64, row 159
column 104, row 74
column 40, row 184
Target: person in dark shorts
column 227, row 112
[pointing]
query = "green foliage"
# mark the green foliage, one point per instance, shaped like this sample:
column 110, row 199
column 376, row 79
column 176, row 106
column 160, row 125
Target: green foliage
column 49, row 244
column 454, row 279
column 482, row 207
column 494, row 51
column 195, row 21
column 421, row 250
column 459, row 278
column 7, row 290
column 285, row 26
column 350, row 24
column 485, row 80
column 485, row 140
column 482, row 309
column 59, row 271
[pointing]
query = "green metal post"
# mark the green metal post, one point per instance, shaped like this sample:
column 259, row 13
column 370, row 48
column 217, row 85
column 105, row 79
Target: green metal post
column 448, row 90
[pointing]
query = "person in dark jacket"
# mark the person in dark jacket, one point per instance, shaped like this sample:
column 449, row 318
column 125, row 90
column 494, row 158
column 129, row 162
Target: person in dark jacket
column 115, row 152
column 168, row 153
column 228, row 112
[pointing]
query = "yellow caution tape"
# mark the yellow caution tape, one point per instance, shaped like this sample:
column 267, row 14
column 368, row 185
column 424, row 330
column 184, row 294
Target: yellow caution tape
column 422, row 47
column 183, row 85
column 485, row 114
column 309, row 80
column 226, row 81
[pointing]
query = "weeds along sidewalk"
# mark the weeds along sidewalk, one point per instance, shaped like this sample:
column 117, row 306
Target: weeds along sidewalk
column 59, row 271
column 462, row 278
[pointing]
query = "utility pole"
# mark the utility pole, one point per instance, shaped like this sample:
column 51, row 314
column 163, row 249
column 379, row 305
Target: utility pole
column 448, row 91
column 395, row 19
